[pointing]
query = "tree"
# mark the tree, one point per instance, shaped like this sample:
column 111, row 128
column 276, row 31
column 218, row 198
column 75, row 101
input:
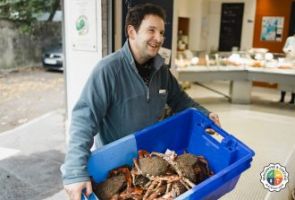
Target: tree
column 26, row 12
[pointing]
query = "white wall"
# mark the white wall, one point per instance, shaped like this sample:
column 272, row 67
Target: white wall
column 247, row 27
column 191, row 9
column 214, row 24
column 118, row 24
column 195, row 8
column 174, row 37
column 79, row 63
column 205, row 22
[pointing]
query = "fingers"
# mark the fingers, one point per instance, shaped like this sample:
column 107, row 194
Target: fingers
column 74, row 194
column 88, row 188
column 74, row 190
column 214, row 117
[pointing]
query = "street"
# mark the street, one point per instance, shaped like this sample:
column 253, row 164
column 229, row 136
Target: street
column 27, row 94
column 32, row 139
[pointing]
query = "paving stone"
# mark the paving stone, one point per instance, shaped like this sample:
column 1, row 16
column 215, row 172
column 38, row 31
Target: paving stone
column 13, row 188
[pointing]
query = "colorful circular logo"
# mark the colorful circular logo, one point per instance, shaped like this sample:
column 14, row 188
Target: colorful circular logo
column 274, row 177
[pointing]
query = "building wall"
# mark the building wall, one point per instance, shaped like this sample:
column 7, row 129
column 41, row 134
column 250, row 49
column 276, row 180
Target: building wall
column 214, row 23
column 197, row 12
column 280, row 8
column 194, row 8
column 118, row 24
column 14, row 44
column 204, row 25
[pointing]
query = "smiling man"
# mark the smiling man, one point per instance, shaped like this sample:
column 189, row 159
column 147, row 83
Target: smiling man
column 146, row 41
column 127, row 91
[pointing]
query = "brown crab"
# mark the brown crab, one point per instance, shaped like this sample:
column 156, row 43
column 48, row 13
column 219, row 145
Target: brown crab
column 195, row 168
column 118, row 186
column 154, row 176
column 148, row 165
column 166, row 178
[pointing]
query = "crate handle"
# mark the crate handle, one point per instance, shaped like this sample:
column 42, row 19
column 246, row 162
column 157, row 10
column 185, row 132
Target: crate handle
column 225, row 140
column 214, row 134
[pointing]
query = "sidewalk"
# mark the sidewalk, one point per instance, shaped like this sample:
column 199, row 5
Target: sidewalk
column 30, row 157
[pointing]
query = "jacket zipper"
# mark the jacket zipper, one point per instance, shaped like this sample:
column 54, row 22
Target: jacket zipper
column 148, row 95
column 148, row 88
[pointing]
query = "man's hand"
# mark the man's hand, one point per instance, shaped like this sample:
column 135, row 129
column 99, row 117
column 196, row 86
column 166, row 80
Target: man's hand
column 74, row 190
column 214, row 117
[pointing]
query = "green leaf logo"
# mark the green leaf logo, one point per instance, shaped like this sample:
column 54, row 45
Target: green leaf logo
column 82, row 25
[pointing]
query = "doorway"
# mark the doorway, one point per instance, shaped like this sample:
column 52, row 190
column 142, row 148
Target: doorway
column 183, row 33
column 292, row 20
column 231, row 26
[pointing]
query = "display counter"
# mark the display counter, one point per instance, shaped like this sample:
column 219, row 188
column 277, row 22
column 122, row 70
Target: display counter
column 241, row 78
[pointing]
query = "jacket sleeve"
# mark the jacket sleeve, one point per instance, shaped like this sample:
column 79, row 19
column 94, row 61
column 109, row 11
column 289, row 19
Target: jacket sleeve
column 178, row 99
column 286, row 45
column 86, row 116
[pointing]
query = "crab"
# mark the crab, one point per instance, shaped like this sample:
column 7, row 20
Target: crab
column 171, row 159
column 164, row 175
column 195, row 168
column 148, row 165
column 110, row 187
column 154, row 176
column 118, row 186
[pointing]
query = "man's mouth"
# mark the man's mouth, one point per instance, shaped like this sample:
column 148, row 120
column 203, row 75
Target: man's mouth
column 154, row 45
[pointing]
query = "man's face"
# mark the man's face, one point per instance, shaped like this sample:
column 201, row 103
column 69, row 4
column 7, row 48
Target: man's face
column 149, row 37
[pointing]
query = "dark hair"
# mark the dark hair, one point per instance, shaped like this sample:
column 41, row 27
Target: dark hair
column 136, row 14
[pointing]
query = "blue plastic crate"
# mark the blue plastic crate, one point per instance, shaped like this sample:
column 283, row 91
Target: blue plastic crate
column 228, row 157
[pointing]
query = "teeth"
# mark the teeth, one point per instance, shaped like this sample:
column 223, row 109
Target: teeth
column 154, row 46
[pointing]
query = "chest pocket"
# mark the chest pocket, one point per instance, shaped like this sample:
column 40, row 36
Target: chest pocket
column 160, row 103
column 163, row 95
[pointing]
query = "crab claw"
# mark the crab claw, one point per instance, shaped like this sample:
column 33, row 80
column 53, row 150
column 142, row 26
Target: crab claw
column 143, row 153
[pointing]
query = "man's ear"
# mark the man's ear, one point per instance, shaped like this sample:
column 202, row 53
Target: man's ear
column 131, row 32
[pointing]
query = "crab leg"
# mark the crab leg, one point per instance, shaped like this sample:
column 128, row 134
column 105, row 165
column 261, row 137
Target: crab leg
column 168, row 179
column 149, row 190
column 168, row 188
column 135, row 161
column 159, row 191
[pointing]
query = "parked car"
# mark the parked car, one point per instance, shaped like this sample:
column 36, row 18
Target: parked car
column 52, row 58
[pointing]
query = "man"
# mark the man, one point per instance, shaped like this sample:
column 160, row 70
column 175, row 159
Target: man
column 127, row 91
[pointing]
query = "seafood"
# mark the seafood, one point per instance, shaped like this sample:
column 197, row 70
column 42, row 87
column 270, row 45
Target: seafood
column 154, row 176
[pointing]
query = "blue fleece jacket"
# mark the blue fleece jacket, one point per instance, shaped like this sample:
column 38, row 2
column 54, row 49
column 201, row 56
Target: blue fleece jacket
column 116, row 102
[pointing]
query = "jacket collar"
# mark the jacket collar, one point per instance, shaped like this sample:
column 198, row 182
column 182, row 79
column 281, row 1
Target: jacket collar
column 157, row 62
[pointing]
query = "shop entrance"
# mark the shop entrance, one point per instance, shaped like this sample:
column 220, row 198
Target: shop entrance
column 231, row 26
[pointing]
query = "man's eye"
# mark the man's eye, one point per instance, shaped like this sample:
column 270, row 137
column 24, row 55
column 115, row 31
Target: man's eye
column 151, row 30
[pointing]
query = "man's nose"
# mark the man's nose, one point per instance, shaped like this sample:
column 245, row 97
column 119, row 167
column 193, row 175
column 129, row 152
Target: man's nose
column 159, row 37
